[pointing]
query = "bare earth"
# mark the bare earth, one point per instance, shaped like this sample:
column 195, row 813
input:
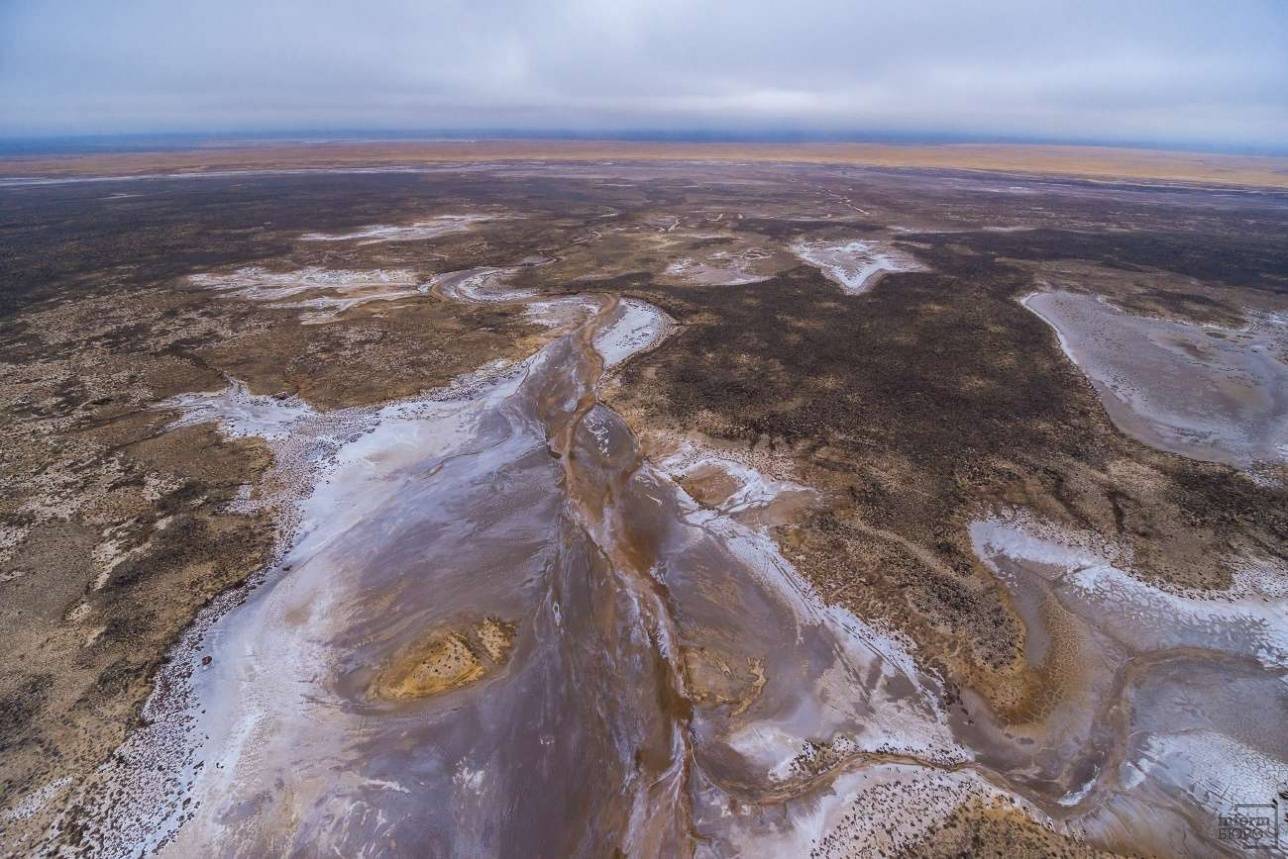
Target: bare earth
column 529, row 498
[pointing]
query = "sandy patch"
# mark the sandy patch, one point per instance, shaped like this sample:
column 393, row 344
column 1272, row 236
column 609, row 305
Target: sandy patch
column 446, row 661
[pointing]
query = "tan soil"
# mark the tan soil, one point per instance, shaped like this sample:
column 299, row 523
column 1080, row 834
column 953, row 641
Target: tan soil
column 1085, row 161
column 445, row 661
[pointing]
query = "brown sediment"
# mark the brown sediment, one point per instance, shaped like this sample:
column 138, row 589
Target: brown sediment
column 496, row 637
column 709, row 485
column 445, row 661
column 716, row 680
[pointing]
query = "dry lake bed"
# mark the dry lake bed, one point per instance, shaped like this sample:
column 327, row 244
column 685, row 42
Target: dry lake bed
column 516, row 506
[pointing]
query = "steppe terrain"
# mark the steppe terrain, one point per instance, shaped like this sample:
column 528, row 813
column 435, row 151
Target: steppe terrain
column 1090, row 162
column 584, row 499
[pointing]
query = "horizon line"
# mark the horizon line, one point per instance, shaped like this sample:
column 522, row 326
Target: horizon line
column 143, row 141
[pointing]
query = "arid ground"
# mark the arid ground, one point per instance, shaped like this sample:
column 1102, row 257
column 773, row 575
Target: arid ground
column 580, row 499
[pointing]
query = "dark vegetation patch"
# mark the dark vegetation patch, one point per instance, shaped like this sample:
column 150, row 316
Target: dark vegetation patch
column 943, row 371
column 80, row 237
column 1226, row 257
column 20, row 704
column 786, row 229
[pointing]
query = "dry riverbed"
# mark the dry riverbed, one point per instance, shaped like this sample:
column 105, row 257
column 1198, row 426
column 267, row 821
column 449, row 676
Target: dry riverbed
column 771, row 500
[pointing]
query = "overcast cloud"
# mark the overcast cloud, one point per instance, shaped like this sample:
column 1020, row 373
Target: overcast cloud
column 1171, row 72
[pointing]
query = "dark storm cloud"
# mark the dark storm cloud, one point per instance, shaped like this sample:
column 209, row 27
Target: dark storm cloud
column 1172, row 71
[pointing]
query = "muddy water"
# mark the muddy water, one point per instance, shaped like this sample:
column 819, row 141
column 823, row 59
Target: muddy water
column 501, row 630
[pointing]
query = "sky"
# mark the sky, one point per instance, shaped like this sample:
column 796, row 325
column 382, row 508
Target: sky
column 1175, row 72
